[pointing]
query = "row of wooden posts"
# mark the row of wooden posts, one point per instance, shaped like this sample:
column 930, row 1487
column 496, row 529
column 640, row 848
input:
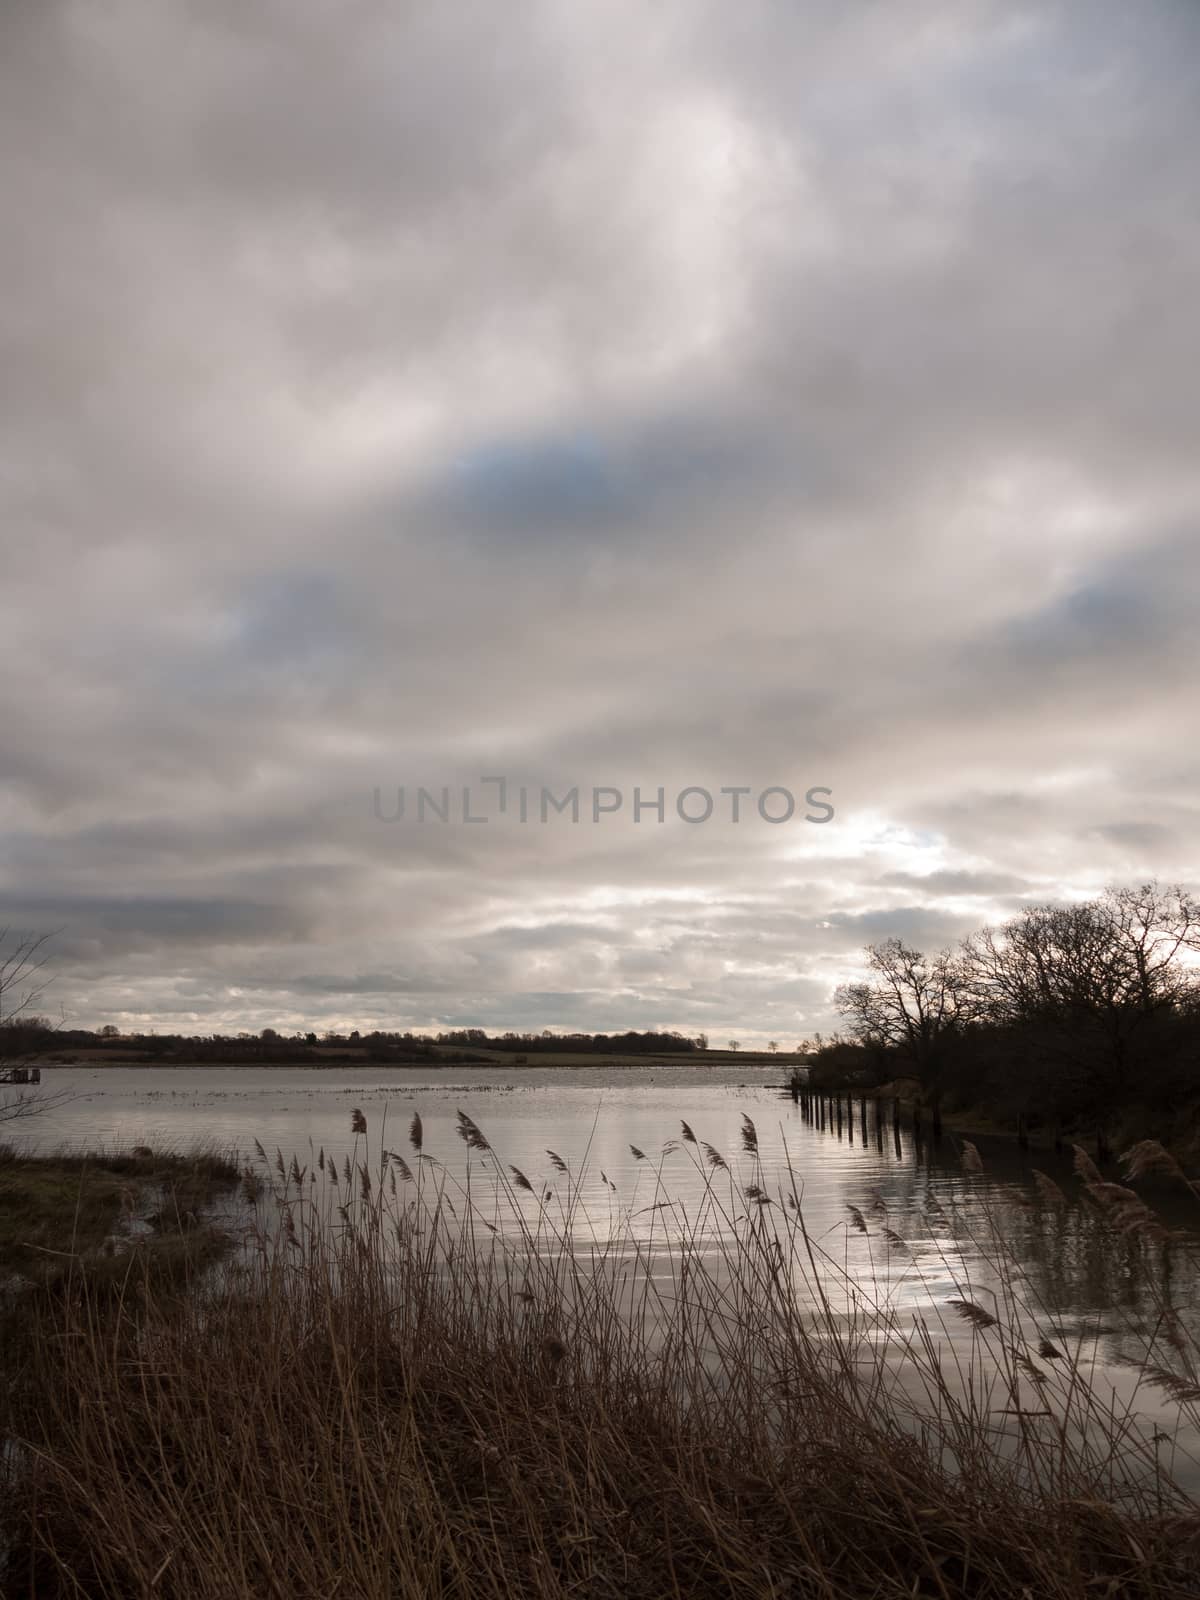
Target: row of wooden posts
column 836, row 1111
column 839, row 1111
column 20, row 1074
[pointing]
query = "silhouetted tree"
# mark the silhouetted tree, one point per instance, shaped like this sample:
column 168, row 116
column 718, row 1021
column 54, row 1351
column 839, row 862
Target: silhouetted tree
column 912, row 1008
column 1091, row 990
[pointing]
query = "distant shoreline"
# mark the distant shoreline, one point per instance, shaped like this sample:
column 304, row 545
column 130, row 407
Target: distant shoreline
column 543, row 1063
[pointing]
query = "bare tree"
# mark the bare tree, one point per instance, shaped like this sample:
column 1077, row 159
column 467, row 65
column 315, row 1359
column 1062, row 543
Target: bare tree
column 23, row 981
column 912, row 1007
column 1153, row 926
column 21, row 968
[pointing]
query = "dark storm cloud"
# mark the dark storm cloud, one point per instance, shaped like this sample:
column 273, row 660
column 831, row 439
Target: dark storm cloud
column 384, row 405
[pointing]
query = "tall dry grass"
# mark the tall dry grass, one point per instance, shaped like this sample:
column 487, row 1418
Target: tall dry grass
column 417, row 1385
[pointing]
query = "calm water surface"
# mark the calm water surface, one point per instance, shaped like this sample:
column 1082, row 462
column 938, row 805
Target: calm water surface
column 1098, row 1292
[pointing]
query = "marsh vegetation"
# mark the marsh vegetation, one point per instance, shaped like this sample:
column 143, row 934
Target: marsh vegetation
column 388, row 1393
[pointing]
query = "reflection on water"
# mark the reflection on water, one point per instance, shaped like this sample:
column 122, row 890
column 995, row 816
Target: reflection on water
column 926, row 1232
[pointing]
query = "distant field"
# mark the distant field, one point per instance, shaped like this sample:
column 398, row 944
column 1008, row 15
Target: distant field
column 347, row 1056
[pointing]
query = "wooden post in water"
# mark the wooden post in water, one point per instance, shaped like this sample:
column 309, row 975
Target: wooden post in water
column 862, row 1118
column 879, row 1123
column 837, row 1100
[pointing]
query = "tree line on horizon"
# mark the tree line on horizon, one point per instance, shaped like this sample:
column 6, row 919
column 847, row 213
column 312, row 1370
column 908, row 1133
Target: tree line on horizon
column 1072, row 1016
column 32, row 1035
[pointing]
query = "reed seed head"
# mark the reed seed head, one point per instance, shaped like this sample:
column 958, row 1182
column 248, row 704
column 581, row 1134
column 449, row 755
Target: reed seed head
column 470, row 1134
column 970, row 1312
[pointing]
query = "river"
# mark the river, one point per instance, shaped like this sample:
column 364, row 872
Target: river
column 934, row 1232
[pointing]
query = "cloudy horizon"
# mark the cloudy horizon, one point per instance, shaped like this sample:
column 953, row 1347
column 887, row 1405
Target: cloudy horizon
column 595, row 395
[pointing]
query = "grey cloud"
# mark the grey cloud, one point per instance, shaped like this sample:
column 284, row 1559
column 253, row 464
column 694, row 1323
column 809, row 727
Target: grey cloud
column 955, row 883
column 916, row 924
column 1136, row 836
column 148, row 922
column 382, row 408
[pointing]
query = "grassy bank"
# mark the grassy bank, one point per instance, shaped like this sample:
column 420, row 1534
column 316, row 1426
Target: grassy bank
column 396, row 1397
column 85, row 1226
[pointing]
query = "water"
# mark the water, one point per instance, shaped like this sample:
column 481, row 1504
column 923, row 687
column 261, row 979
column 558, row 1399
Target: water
column 1093, row 1293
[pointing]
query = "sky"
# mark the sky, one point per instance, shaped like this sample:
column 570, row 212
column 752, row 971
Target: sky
column 593, row 395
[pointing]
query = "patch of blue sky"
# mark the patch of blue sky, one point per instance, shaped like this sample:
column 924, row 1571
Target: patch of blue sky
column 555, row 483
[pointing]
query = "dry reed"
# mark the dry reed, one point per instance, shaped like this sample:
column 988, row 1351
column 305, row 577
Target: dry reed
column 382, row 1401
